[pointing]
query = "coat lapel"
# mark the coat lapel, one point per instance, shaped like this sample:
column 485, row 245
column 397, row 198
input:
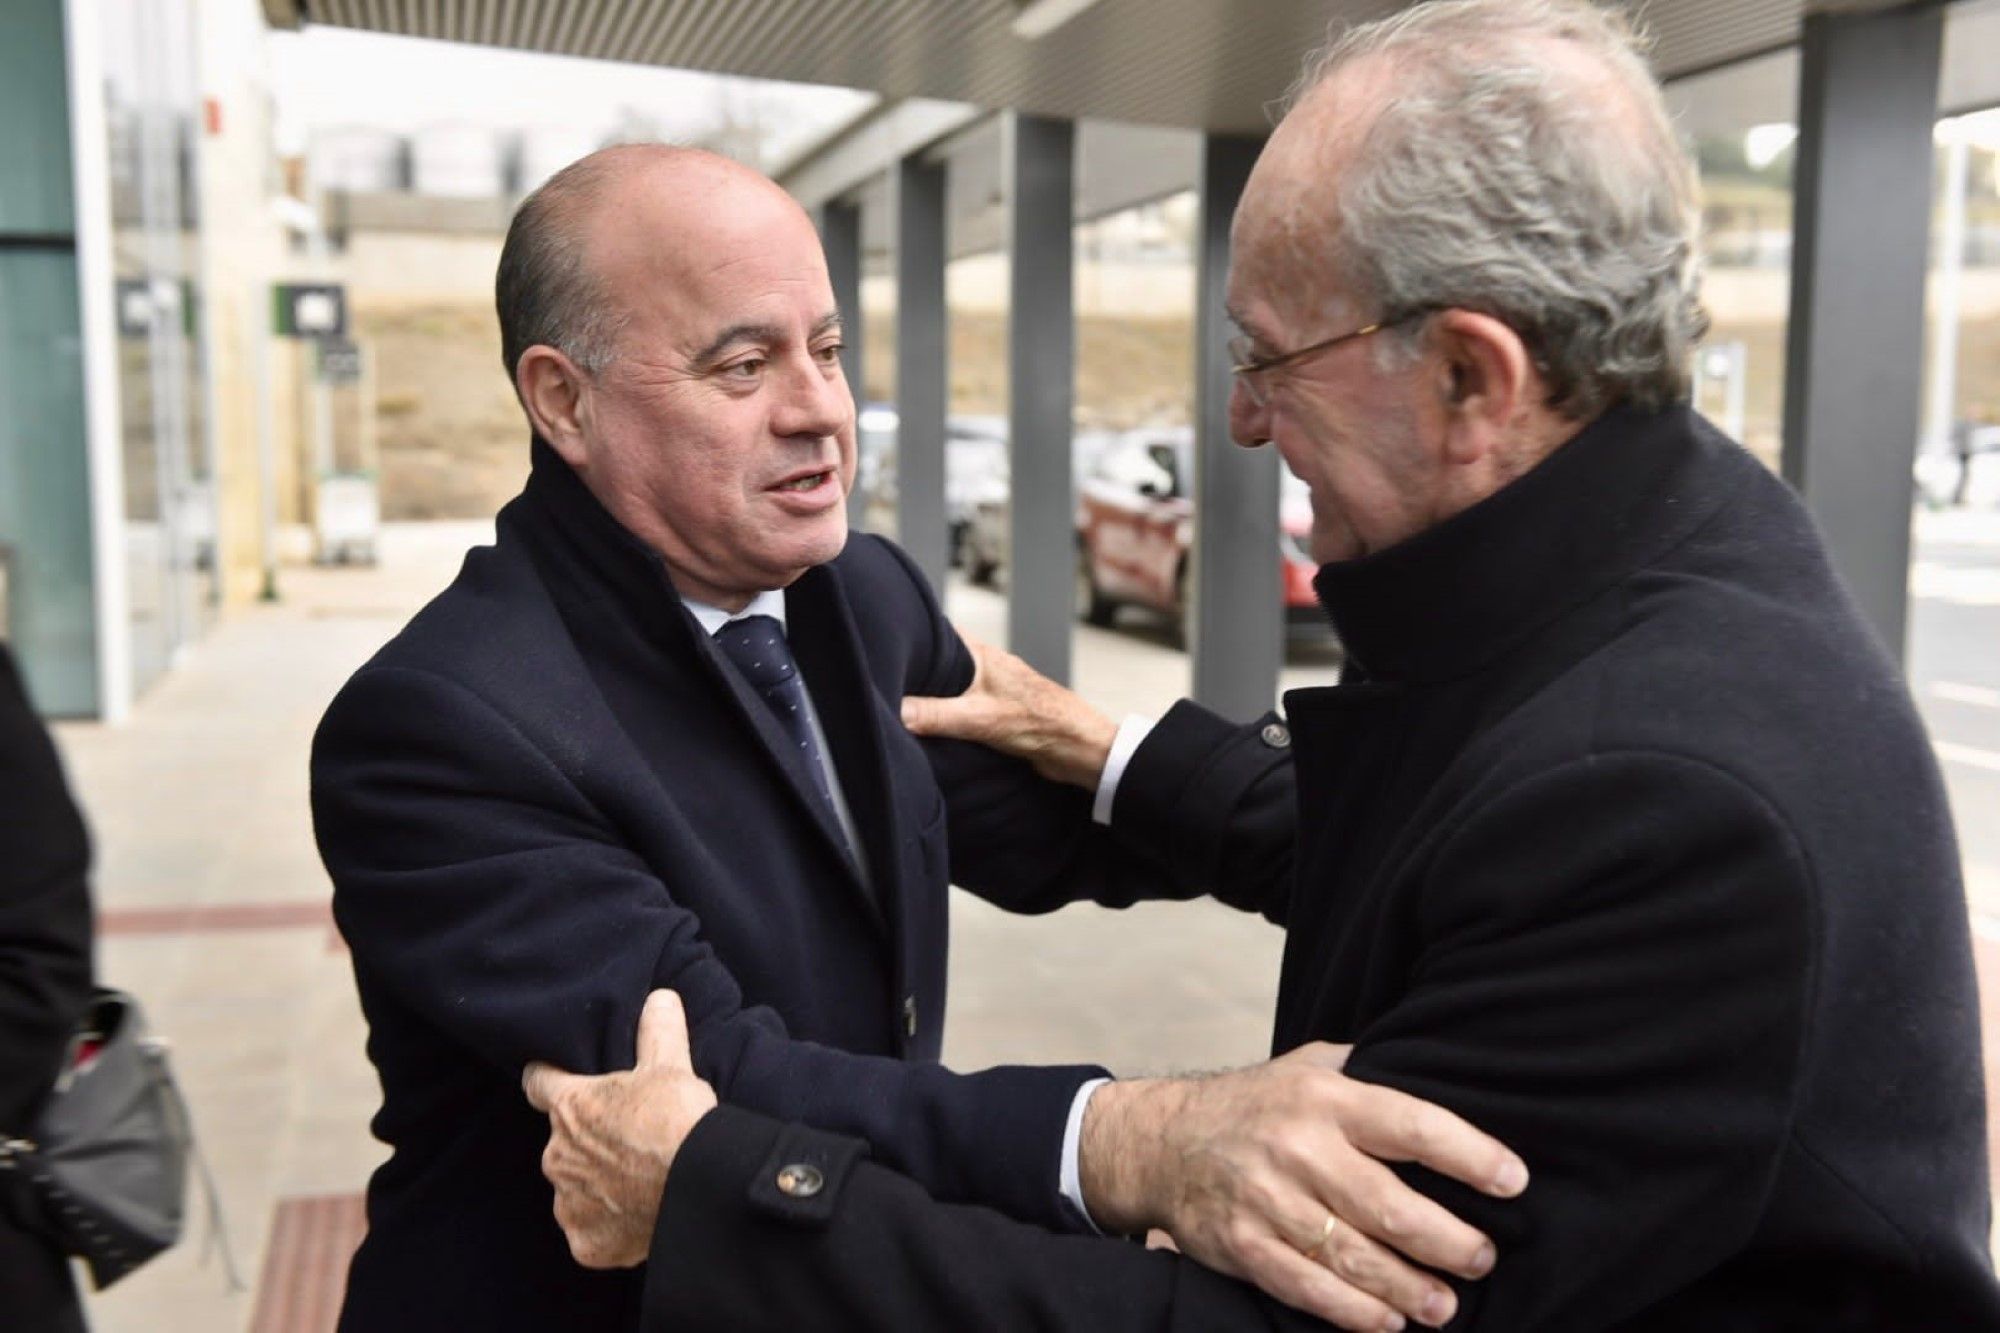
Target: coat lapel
column 828, row 647
column 784, row 756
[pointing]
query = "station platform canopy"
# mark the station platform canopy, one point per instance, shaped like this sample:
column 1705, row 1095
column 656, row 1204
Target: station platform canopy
column 1213, row 65
column 999, row 123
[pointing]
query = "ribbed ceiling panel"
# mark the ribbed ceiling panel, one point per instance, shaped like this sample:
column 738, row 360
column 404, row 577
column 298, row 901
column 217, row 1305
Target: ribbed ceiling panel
column 1692, row 35
column 1206, row 64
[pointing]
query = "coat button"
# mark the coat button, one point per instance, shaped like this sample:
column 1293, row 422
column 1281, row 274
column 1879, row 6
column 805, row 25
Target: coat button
column 1276, row 735
column 800, row 1181
column 909, row 1015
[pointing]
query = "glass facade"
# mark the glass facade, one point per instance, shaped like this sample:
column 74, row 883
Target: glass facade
column 152, row 114
column 1740, row 122
column 47, row 601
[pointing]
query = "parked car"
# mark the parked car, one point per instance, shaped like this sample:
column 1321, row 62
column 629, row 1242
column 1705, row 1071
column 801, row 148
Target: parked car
column 1134, row 529
column 988, row 536
column 875, row 466
column 975, row 473
column 975, row 469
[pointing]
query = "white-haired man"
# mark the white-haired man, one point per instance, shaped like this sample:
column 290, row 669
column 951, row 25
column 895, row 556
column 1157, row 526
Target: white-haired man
column 1592, row 843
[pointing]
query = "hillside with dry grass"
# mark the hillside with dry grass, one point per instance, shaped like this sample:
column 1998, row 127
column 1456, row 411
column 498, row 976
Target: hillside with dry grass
column 454, row 446
column 452, row 438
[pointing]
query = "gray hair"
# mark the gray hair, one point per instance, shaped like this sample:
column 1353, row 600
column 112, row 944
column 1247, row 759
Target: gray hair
column 546, row 292
column 1491, row 180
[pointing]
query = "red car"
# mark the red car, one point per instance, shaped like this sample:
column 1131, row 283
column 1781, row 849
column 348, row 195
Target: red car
column 1135, row 522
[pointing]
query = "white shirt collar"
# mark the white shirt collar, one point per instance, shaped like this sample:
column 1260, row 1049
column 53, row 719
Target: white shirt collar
column 713, row 618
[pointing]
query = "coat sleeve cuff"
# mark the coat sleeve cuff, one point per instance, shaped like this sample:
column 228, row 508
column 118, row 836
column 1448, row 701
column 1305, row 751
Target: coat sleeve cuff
column 1010, row 1156
column 736, row 1161
column 1189, row 776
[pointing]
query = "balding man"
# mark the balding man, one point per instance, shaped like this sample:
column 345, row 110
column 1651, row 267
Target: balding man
column 1620, row 837
column 651, row 738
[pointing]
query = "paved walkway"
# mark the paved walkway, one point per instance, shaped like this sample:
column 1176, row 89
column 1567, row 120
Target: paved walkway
column 214, row 909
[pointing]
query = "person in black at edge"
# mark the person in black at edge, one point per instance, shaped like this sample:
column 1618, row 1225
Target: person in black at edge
column 45, row 985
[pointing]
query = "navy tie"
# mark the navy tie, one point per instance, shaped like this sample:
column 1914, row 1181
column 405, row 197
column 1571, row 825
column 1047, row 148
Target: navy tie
column 756, row 644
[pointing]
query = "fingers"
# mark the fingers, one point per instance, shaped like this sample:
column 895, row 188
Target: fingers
column 1306, row 1285
column 1396, row 1127
column 919, row 715
column 663, row 1033
column 545, row 1083
column 961, row 716
column 1371, row 1201
column 966, row 717
column 1333, row 1240
column 586, row 1224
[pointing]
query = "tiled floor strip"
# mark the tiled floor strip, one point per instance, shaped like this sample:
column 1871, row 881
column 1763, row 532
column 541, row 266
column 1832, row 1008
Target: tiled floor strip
column 305, row 1266
column 201, row 920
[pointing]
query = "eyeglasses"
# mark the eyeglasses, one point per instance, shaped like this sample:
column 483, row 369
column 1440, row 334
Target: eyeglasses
column 1250, row 368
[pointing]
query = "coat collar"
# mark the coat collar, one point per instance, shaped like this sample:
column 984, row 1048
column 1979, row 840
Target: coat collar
column 608, row 560
column 603, row 561
column 600, row 561
column 1456, row 596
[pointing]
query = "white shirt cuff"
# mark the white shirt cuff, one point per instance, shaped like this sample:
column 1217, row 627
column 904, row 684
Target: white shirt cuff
column 1131, row 732
column 1070, row 1178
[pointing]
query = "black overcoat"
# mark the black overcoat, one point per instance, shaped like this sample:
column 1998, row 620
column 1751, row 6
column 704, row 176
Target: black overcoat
column 550, row 794
column 1622, row 839
column 45, row 983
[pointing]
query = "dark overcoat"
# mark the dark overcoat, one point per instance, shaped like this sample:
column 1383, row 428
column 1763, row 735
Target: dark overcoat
column 45, row 983
column 551, row 793
column 1620, row 838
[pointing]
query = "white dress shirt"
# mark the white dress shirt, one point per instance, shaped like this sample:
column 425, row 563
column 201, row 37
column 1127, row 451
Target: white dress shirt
column 1069, row 1174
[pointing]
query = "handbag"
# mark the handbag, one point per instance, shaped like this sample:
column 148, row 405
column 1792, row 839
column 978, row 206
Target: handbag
column 105, row 1170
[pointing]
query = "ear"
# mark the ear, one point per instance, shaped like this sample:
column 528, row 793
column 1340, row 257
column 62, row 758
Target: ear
column 552, row 391
column 1487, row 380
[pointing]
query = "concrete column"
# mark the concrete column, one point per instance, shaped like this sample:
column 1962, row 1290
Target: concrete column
column 922, row 382
column 1868, row 91
column 840, row 236
column 1041, row 367
column 1238, row 614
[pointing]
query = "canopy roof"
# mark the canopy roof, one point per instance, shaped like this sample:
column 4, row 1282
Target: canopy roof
column 1213, row 65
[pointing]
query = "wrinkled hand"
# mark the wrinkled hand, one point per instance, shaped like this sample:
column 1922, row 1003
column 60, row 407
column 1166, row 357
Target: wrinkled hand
column 613, row 1137
column 1244, row 1169
column 1016, row 710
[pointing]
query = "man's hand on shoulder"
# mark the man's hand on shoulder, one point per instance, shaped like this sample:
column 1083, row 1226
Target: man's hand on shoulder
column 1018, row 711
column 613, row 1137
column 1275, row 1174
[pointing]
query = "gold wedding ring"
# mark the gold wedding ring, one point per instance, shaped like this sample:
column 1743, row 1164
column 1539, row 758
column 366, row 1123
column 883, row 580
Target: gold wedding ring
column 1325, row 1235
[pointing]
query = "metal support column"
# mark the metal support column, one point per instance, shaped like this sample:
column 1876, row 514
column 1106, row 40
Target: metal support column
column 1041, row 367
column 840, row 237
column 1868, row 92
column 921, row 367
column 1238, row 613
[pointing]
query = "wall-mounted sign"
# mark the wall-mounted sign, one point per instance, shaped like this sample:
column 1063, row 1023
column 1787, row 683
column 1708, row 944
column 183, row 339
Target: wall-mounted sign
column 309, row 310
column 135, row 307
column 339, row 361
